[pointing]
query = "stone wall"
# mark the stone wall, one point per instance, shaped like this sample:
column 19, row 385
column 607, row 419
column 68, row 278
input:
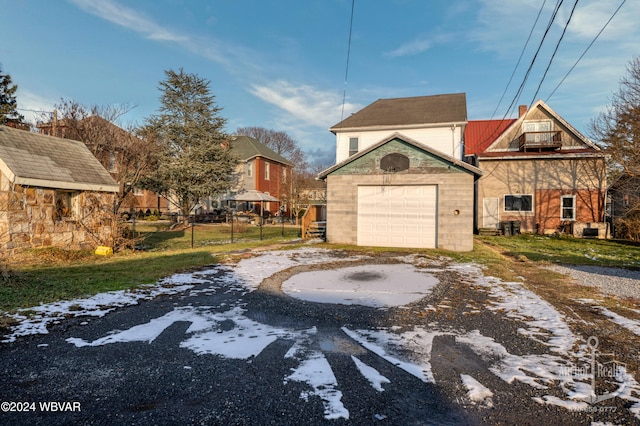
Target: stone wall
column 38, row 217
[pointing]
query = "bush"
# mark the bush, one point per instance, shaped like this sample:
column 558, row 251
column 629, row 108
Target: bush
column 628, row 228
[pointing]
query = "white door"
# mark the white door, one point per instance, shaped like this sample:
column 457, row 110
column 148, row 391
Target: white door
column 397, row 216
column 490, row 215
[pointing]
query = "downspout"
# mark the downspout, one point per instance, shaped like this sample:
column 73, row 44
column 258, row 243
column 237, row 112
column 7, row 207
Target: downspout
column 453, row 140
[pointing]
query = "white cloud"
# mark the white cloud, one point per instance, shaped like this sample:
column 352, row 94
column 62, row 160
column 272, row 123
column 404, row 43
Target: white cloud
column 128, row 18
column 34, row 107
column 315, row 107
column 588, row 19
column 413, row 47
column 419, row 44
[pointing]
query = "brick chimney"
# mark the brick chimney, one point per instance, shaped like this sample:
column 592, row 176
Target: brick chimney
column 522, row 110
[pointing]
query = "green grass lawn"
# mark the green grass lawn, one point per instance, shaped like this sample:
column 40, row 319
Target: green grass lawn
column 42, row 276
column 567, row 250
column 47, row 275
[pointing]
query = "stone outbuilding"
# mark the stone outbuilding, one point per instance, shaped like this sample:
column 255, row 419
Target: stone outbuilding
column 53, row 192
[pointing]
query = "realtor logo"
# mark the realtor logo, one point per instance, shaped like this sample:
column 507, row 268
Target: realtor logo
column 604, row 373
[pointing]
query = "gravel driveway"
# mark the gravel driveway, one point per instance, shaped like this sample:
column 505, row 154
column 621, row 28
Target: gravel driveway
column 226, row 346
column 619, row 282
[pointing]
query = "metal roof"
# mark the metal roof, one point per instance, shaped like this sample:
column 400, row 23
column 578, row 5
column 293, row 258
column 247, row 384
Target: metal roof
column 480, row 134
column 33, row 159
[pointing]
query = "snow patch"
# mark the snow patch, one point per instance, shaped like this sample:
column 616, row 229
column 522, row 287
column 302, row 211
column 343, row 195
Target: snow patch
column 476, row 391
column 371, row 374
column 316, row 371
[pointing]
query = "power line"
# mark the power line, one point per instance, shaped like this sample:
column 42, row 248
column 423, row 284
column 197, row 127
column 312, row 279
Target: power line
column 520, row 58
column 535, row 56
column 346, row 72
column 586, row 50
column 525, row 78
column 553, row 55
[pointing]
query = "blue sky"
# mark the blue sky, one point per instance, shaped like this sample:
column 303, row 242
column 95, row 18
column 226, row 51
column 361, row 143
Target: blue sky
column 281, row 64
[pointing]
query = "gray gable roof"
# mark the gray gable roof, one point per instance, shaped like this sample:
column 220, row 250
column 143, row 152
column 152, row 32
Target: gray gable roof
column 427, row 149
column 247, row 148
column 408, row 112
column 33, row 159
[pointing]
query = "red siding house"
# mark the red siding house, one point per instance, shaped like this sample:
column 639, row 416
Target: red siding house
column 538, row 171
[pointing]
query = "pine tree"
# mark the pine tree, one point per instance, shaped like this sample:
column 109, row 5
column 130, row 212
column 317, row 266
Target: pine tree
column 8, row 103
column 196, row 161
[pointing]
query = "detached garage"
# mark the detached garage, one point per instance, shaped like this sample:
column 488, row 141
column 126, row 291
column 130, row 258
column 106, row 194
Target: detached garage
column 400, row 193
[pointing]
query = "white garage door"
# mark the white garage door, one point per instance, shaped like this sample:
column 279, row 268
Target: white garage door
column 397, row 216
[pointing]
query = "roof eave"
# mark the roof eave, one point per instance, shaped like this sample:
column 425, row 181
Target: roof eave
column 79, row 186
column 396, row 126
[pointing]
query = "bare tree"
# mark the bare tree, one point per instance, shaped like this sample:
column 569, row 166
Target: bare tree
column 617, row 129
column 277, row 140
column 129, row 155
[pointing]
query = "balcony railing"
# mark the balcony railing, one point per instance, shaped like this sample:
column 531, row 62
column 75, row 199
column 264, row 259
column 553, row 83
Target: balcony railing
column 540, row 140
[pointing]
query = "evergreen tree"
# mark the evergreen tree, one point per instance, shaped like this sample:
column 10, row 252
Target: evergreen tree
column 195, row 160
column 8, row 103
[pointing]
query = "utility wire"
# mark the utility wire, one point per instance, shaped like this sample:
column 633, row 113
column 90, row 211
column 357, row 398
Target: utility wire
column 553, row 55
column 521, row 87
column 526, row 76
column 519, row 59
column 346, row 72
column 535, row 56
column 586, row 50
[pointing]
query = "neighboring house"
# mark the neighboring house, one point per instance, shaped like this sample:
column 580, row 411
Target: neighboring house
column 53, row 192
column 399, row 180
column 261, row 169
column 310, row 192
column 538, row 170
column 624, row 207
column 103, row 133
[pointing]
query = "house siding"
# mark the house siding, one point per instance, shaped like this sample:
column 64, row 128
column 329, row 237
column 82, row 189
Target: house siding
column 445, row 139
column 509, row 141
column 546, row 180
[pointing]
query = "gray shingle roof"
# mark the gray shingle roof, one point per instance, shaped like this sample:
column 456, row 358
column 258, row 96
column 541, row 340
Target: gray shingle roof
column 247, row 148
column 418, row 110
column 32, row 159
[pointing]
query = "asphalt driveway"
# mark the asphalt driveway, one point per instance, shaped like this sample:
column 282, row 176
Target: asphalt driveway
column 227, row 346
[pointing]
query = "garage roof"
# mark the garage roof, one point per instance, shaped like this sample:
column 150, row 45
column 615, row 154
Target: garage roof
column 451, row 108
column 33, row 159
column 434, row 152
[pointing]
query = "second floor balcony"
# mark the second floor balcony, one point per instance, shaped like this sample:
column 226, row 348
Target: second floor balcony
column 537, row 141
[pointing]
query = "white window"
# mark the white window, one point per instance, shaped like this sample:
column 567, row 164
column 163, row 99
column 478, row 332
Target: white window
column 284, row 174
column 568, row 207
column 518, row 203
column 267, row 171
column 249, row 169
column 537, row 131
column 353, row 146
